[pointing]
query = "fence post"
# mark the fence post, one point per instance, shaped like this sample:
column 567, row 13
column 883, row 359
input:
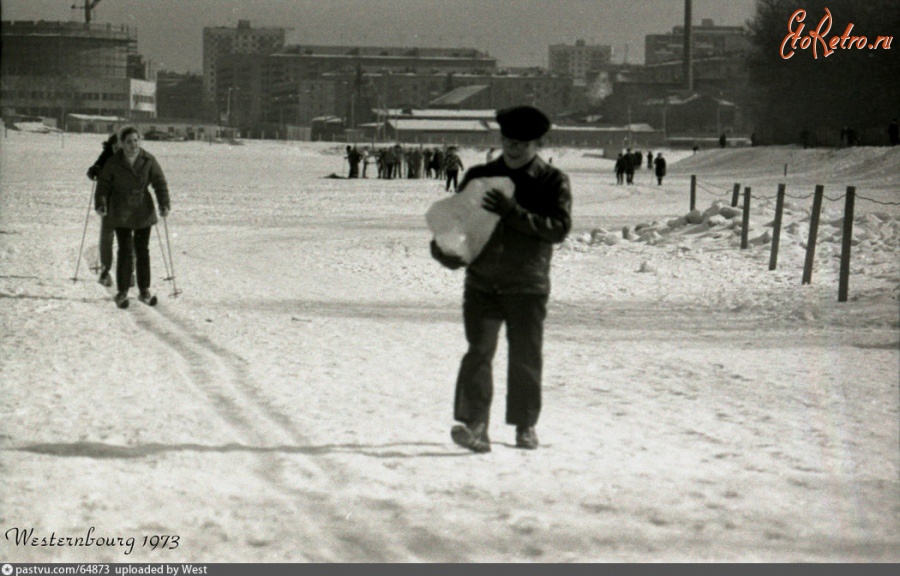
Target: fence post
column 776, row 230
column 813, row 233
column 693, row 192
column 735, row 193
column 844, row 283
column 745, row 222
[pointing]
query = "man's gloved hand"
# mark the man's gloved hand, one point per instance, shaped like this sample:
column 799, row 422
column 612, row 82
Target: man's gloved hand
column 93, row 172
column 451, row 262
column 101, row 210
column 497, row 202
column 163, row 211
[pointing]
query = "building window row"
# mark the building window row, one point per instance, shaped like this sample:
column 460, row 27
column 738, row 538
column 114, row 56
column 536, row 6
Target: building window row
column 48, row 111
column 56, row 95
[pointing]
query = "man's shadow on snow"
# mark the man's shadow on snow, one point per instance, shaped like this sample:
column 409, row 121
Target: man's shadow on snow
column 100, row 450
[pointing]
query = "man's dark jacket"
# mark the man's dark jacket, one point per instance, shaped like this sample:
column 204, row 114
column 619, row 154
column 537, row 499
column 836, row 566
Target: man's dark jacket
column 516, row 259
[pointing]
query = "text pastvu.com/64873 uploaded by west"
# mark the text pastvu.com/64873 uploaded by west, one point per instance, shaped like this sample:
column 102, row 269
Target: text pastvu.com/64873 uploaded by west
column 100, row 569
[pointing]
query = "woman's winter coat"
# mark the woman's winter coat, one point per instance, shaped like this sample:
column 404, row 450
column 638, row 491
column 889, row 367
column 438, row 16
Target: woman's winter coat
column 122, row 189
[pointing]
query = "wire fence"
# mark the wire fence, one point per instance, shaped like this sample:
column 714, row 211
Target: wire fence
column 715, row 190
column 819, row 197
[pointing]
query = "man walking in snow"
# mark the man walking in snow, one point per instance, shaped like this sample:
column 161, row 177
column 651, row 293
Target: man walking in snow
column 629, row 166
column 620, row 169
column 353, row 158
column 660, row 163
column 107, row 230
column 509, row 282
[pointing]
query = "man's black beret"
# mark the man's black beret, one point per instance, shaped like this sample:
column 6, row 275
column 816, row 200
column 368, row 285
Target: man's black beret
column 524, row 123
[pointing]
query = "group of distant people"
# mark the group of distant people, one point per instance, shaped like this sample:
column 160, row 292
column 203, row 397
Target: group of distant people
column 630, row 161
column 850, row 137
column 441, row 163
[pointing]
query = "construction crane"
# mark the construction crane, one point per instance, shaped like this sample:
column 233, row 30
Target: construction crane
column 88, row 8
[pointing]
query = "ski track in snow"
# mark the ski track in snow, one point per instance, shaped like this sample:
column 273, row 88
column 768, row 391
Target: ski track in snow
column 221, row 378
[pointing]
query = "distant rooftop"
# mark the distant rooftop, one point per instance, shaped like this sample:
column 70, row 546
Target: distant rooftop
column 458, row 95
column 382, row 51
column 676, row 100
column 415, row 125
column 437, row 114
column 67, row 28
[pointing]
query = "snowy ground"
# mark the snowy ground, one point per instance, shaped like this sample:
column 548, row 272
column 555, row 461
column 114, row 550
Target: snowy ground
column 293, row 404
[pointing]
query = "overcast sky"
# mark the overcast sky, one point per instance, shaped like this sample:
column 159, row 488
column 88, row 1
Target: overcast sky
column 516, row 32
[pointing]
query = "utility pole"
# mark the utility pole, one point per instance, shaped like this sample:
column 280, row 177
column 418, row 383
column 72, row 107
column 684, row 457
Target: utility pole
column 629, row 126
column 688, row 48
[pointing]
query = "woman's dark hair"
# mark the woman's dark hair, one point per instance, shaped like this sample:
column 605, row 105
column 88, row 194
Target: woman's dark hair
column 127, row 131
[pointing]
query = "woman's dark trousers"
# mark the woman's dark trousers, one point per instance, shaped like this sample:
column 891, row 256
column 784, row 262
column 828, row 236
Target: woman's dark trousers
column 137, row 241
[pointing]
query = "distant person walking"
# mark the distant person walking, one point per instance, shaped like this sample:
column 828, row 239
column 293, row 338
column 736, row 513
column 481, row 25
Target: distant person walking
column 390, row 159
column 649, row 159
column 414, row 163
column 399, row 158
column 437, row 161
column 353, row 158
column 660, row 165
column 366, row 159
column 629, row 167
column 427, row 156
column 509, row 282
column 620, row 169
column 123, row 194
column 452, row 166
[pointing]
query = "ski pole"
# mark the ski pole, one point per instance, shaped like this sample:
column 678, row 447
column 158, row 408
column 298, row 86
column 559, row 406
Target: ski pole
column 84, row 232
column 175, row 291
column 163, row 253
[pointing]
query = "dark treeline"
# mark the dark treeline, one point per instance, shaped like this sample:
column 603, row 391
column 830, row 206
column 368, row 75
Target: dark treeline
column 814, row 99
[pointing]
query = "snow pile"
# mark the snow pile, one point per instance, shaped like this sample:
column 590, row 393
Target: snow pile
column 697, row 257
column 36, row 127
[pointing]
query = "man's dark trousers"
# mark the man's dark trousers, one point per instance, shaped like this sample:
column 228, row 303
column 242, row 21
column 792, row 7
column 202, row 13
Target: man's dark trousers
column 483, row 314
column 107, row 236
